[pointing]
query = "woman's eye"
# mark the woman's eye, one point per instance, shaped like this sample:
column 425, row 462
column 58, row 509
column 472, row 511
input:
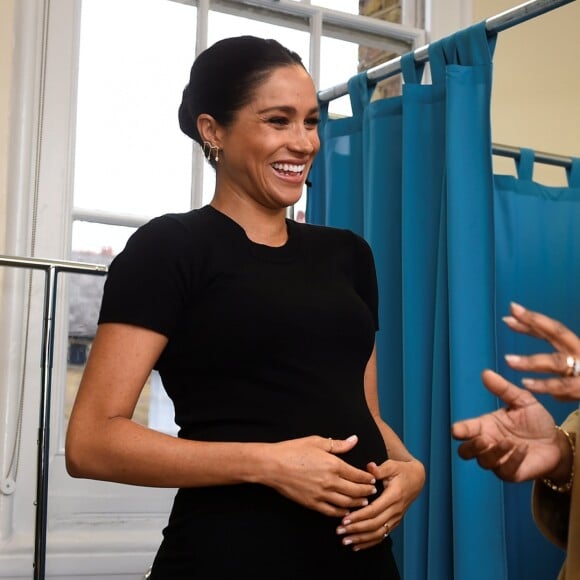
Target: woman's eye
column 313, row 122
column 278, row 120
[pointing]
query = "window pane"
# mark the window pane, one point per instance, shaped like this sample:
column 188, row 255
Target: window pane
column 338, row 63
column 135, row 57
column 342, row 60
column 224, row 25
column 350, row 6
column 91, row 239
column 208, row 184
column 98, row 244
column 130, row 155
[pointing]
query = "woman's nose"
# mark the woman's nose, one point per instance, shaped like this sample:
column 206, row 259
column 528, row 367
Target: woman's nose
column 305, row 140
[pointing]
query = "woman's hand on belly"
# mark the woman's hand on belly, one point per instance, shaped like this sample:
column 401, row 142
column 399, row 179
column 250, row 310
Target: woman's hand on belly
column 309, row 472
column 368, row 526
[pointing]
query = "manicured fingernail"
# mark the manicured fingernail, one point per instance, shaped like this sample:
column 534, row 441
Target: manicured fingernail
column 351, row 438
column 345, row 522
column 373, row 481
column 374, row 490
column 364, row 502
column 528, row 382
column 513, row 358
column 508, row 319
column 517, row 308
column 346, row 542
column 341, row 530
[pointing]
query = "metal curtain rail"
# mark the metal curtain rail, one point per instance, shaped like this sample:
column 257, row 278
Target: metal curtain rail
column 539, row 156
column 51, row 268
column 494, row 24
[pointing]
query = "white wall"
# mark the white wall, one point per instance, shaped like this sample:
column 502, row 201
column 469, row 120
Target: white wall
column 536, row 85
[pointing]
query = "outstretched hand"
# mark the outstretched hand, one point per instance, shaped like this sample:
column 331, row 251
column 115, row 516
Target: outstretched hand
column 518, row 442
column 564, row 362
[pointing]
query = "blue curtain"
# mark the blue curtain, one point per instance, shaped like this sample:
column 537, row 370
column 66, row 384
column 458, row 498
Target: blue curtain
column 413, row 175
column 537, row 265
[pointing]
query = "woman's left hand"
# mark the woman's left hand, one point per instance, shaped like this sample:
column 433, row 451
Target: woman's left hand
column 369, row 526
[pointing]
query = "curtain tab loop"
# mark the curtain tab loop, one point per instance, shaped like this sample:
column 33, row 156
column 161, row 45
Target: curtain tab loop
column 573, row 173
column 359, row 92
column 412, row 71
column 475, row 45
column 437, row 62
column 323, row 111
column 525, row 164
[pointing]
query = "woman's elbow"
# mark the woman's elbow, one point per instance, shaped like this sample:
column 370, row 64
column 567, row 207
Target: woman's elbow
column 76, row 455
column 73, row 461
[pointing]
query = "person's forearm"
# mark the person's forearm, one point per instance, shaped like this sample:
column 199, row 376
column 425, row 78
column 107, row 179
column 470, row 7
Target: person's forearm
column 395, row 446
column 126, row 452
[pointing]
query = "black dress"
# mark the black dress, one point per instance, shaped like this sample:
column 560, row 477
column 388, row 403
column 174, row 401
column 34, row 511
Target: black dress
column 265, row 344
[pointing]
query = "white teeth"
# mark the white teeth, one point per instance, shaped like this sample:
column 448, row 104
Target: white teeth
column 288, row 167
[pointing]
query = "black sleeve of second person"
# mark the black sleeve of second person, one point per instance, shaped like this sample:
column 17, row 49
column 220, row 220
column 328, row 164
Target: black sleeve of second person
column 148, row 283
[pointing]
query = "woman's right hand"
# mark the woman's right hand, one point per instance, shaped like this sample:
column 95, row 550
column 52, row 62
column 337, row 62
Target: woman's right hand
column 309, row 472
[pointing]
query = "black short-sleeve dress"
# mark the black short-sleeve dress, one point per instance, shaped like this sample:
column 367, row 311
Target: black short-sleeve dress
column 265, row 344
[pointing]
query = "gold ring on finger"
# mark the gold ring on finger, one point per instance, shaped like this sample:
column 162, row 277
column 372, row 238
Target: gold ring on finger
column 331, row 444
column 387, row 529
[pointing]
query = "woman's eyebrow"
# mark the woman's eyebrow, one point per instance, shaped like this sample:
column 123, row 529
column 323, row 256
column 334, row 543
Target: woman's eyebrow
column 286, row 109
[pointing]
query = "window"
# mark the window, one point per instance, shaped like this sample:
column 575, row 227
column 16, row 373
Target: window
column 130, row 157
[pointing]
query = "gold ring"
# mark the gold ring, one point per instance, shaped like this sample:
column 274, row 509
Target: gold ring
column 572, row 366
column 331, row 444
column 387, row 528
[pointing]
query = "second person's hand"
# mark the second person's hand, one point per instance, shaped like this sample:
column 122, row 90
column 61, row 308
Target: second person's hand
column 518, row 442
column 564, row 362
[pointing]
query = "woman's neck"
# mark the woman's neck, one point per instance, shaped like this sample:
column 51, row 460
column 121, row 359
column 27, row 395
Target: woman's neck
column 262, row 225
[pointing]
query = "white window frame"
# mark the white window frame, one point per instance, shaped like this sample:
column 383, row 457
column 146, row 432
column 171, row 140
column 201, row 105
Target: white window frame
column 95, row 529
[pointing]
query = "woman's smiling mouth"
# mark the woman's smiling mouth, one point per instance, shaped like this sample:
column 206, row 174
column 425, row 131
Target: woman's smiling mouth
column 289, row 169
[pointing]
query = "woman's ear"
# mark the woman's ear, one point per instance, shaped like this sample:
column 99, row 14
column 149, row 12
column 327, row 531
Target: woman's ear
column 208, row 129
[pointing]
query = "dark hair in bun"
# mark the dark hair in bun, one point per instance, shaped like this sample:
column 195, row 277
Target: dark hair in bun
column 224, row 77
